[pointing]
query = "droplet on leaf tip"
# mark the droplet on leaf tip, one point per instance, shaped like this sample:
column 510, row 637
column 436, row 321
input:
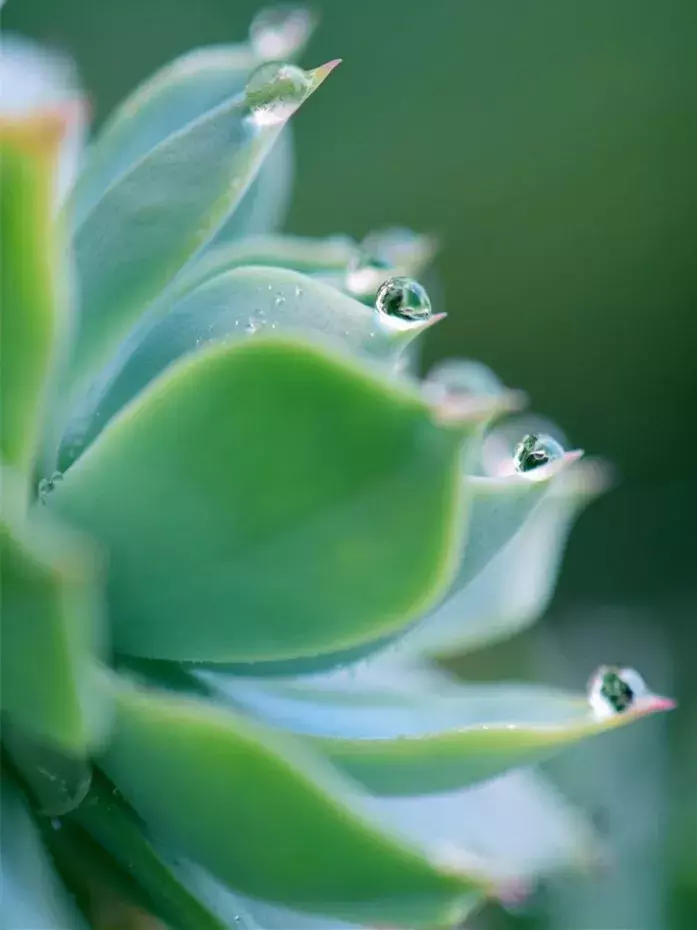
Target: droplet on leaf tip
column 403, row 302
column 615, row 689
column 280, row 31
column 274, row 92
column 535, row 450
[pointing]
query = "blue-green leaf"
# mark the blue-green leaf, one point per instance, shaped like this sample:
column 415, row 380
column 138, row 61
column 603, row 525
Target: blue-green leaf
column 260, row 501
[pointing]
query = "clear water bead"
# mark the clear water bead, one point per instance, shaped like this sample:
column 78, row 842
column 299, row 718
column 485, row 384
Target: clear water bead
column 403, row 300
column 535, row 450
column 614, row 690
column 274, row 92
column 280, row 31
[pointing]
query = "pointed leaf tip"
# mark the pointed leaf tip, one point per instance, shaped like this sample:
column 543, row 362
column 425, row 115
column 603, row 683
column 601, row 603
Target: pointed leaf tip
column 322, row 73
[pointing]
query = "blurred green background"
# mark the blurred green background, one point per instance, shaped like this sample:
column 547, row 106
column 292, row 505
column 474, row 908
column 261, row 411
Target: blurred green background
column 552, row 147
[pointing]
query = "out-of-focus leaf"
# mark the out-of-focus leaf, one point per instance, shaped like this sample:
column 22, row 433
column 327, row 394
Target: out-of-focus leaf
column 260, row 501
column 32, row 896
column 234, row 305
column 34, row 79
column 104, row 816
column 163, row 210
column 268, row 819
column 58, row 781
column 514, row 588
column 29, row 284
column 51, row 631
column 432, row 735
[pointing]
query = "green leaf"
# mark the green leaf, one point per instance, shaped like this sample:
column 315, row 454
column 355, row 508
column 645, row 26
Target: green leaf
column 263, row 208
column 516, row 585
column 261, row 501
column 234, row 305
column 414, row 736
column 115, row 828
column 51, row 633
column 267, row 819
column 29, row 286
column 160, row 213
column 32, row 895
column 58, row 780
column 500, row 507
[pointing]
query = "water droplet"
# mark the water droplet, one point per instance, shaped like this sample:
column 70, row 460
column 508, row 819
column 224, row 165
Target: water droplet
column 279, row 300
column 298, row 291
column 535, row 450
column 46, row 485
column 274, row 92
column 613, row 690
column 251, row 326
column 280, row 31
column 403, row 300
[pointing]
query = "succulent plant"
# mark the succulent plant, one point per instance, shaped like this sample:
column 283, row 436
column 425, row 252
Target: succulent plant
column 238, row 532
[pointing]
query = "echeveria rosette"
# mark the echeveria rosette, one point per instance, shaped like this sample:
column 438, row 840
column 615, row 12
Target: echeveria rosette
column 273, row 530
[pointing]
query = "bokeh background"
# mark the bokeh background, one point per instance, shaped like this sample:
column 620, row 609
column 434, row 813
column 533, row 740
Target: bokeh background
column 552, row 147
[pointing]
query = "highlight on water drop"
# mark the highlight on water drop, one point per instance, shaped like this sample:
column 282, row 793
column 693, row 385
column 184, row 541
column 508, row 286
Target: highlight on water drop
column 279, row 32
column 403, row 301
column 535, row 450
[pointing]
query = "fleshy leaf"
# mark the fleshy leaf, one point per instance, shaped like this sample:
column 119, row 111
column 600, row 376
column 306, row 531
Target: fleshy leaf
column 32, row 895
column 30, row 298
column 235, row 305
column 515, row 586
column 425, row 736
column 268, row 819
column 500, row 507
column 162, row 211
column 57, row 780
column 117, row 830
column 277, row 526
column 51, row 632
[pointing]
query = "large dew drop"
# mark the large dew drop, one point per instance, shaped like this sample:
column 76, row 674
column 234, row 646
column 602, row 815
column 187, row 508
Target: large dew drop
column 279, row 32
column 535, row 450
column 614, row 690
column 403, row 301
column 274, row 92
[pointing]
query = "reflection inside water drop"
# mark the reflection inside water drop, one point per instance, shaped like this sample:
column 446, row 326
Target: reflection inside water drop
column 613, row 690
column 535, row 450
column 403, row 300
column 280, row 31
column 274, row 92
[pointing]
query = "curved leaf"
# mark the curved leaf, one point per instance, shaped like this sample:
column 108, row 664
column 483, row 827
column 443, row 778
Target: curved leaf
column 268, row 820
column 30, row 302
column 220, row 550
column 32, row 895
column 116, row 829
column 235, row 305
column 159, row 213
column 426, row 737
column 516, row 585
column 177, row 94
column 50, row 588
column 263, row 208
column 500, row 507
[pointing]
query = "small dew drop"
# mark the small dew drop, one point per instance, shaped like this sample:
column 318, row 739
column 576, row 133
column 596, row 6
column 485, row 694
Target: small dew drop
column 535, row 450
column 46, row 485
column 279, row 300
column 280, row 31
column 274, row 92
column 251, row 326
column 403, row 300
column 614, row 690
column 298, row 291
